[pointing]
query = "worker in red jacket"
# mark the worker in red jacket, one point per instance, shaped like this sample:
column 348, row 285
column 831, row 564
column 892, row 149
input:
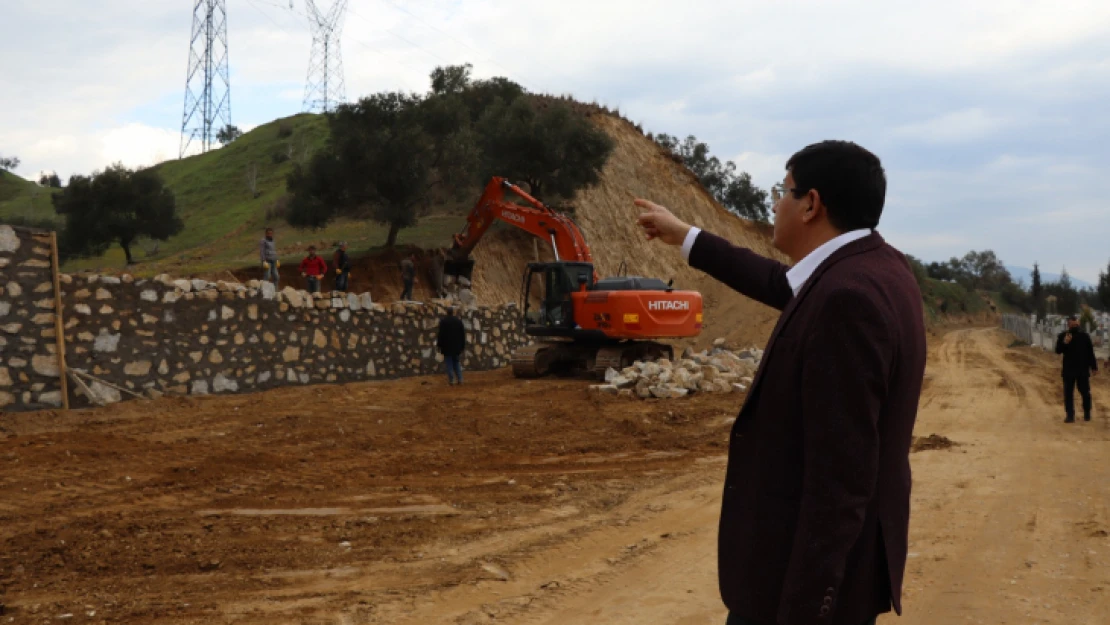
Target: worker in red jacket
column 312, row 269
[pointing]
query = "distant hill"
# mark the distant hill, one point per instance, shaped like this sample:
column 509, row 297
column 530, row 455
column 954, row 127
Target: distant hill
column 24, row 202
column 224, row 220
column 1022, row 274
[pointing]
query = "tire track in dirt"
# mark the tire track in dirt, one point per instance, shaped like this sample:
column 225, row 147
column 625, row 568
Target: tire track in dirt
column 997, row 533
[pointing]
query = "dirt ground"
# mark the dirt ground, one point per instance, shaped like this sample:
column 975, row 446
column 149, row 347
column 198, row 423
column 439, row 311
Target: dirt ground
column 411, row 502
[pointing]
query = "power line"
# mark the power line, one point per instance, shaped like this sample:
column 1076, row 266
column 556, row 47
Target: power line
column 207, row 78
column 267, row 15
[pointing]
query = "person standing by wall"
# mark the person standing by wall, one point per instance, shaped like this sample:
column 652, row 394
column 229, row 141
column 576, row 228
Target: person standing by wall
column 451, row 342
column 408, row 276
column 342, row 264
column 268, row 256
column 313, row 269
column 1079, row 365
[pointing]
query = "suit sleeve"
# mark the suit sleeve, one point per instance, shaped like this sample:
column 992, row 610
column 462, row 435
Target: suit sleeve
column 1060, row 343
column 1091, row 353
column 744, row 271
column 845, row 375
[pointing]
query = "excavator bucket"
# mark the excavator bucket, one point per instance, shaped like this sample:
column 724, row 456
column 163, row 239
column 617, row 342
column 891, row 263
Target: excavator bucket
column 458, row 268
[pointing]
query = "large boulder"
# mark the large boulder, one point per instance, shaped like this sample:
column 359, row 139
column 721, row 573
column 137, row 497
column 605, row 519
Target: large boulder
column 292, row 296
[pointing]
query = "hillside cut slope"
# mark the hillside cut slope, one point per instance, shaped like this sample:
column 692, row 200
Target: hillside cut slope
column 607, row 217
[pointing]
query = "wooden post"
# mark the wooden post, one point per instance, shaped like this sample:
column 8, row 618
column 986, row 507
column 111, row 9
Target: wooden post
column 59, row 328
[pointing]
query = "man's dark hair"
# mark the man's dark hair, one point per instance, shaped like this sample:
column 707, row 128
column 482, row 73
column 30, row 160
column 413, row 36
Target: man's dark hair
column 849, row 179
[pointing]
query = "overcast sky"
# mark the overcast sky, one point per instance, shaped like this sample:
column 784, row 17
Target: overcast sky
column 990, row 116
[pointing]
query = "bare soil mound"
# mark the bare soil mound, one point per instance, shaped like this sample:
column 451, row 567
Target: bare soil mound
column 932, row 442
column 607, row 217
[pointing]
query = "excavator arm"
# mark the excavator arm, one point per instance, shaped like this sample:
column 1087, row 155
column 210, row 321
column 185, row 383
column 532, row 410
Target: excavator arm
column 535, row 218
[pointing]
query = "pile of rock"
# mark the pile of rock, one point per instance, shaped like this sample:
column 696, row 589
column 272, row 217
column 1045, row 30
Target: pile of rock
column 457, row 291
column 718, row 370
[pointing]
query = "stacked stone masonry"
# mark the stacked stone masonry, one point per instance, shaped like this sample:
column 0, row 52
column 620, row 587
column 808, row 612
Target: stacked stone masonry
column 167, row 336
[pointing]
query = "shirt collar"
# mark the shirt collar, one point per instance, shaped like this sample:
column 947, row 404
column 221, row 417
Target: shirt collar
column 800, row 273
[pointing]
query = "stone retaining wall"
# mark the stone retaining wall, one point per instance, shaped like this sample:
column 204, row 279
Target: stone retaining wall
column 194, row 337
column 28, row 352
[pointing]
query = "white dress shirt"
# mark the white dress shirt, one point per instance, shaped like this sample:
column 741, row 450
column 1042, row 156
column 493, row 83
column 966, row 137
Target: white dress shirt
column 799, row 273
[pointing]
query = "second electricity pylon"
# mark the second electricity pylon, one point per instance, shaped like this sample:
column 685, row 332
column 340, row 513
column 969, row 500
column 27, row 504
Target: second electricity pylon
column 323, row 88
column 207, row 82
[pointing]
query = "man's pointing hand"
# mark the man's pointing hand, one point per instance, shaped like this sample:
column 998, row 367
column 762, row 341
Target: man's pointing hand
column 660, row 223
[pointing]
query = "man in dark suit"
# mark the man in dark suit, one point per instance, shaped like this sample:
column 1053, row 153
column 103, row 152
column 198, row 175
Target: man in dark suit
column 815, row 512
column 1079, row 365
column 451, row 342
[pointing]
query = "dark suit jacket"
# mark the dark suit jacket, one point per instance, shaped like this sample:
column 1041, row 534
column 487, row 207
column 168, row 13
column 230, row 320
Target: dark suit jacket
column 451, row 336
column 1079, row 355
column 816, row 506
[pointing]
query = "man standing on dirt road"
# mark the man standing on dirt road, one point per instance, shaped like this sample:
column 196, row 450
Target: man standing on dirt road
column 451, row 342
column 815, row 512
column 1079, row 365
column 408, row 276
column 268, row 256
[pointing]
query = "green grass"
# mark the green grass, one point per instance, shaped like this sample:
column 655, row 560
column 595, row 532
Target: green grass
column 1004, row 307
column 948, row 298
column 223, row 221
column 23, row 201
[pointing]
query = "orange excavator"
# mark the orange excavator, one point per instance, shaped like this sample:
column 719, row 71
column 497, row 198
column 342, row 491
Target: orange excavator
column 581, row 322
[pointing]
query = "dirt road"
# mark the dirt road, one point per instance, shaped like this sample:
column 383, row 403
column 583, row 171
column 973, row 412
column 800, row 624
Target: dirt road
column 407, row 502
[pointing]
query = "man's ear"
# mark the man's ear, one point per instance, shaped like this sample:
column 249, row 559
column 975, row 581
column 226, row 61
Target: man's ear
column 815, row 208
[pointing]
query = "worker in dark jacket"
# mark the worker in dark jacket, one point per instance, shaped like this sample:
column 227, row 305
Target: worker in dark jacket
column 342, row 264
column 313, row 269
column 408, row 276
column 1079, row 365
column 451, row 342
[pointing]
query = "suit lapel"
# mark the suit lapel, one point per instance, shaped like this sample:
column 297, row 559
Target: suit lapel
column 866, row 244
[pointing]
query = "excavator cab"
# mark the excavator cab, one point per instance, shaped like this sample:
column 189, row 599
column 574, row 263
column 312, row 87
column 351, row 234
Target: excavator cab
column 546, row 295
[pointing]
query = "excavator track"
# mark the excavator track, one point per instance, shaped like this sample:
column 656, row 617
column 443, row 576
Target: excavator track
column 624, row 354
column 532, row 361
column 542, row 358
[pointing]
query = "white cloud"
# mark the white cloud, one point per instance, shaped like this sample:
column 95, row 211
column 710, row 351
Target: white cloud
column 138, row 145
column 964, row 126
column 766, row 169
column 927, row 244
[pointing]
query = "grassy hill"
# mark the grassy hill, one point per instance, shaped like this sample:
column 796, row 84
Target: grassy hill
column 224, row 220
column 24, row 202
column 948, row 300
